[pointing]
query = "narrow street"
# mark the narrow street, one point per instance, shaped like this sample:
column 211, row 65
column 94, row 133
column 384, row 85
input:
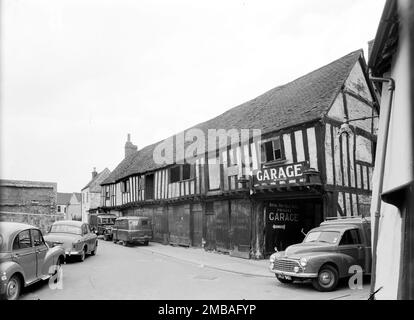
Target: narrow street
column 165, row 272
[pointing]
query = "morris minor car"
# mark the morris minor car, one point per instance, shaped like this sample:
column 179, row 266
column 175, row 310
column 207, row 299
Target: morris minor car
column 326, row 254
column 25, row 258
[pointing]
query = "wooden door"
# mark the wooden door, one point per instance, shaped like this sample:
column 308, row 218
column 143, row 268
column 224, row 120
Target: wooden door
column 223, row 226
column 240, row 215
column 210, row 218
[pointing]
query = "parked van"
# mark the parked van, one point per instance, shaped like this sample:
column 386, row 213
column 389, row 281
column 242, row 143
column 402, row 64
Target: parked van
column 132, row 230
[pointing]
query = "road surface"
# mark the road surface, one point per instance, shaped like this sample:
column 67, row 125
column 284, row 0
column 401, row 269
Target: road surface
column 119, row 272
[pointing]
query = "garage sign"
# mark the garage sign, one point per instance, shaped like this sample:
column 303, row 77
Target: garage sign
column 286, row 172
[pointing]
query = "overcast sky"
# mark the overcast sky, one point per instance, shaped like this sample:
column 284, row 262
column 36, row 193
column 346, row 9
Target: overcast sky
column 77, row 76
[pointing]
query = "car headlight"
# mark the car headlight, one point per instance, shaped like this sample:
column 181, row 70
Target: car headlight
column 303, row 262
column 272, row 258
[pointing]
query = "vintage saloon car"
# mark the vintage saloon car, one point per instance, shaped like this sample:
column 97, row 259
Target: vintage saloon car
column 25, row 258
column 102, row 223
column 74, row 236
column 132, row 229
column 326, row 254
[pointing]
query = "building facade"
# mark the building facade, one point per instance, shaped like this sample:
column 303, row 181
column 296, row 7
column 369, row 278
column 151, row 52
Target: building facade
column 31, row 202
column 248, row 197
column 75, row 206
column 63, row 203
column 91, row 193
column 391, row 63
column 69, row 204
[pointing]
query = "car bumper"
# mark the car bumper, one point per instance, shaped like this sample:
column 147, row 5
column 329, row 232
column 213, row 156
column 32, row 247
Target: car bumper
column 140, row 239
column 303, row 275
column 69, row 253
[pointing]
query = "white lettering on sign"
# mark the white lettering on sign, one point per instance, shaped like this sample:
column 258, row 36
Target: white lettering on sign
column 283, row 216
column 280, row 173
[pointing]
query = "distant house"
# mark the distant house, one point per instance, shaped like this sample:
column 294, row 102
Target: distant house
column 91, row 193
column 69, row 204
column 31, row 202
column 391, row 62
column 62, row 203
column 75, row 206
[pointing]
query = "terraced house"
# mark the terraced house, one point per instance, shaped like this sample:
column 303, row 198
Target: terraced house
column 314, row 159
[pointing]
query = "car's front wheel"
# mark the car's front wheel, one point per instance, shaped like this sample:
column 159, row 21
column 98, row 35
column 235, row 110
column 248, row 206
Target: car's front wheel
column 327, row 279
column 283, row 280
column 13, row 288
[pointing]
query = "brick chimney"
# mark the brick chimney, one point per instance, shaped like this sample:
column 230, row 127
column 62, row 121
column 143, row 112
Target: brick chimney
column 370, row 45
column 94, row 173
column 130, row 148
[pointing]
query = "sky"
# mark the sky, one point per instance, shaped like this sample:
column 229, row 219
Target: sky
column 78, row 75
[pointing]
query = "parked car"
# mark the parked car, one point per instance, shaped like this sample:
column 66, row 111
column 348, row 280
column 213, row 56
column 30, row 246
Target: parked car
column 102, row 223
column 74, row 236
column 132, row 229
column 25, row 258
column 326, row 254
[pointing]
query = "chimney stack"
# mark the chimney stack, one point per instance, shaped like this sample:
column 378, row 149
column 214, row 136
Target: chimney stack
column 370, row 45
column 94, row 173
column 130, row 148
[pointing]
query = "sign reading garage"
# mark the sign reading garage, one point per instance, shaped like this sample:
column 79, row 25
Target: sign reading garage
column 287, row 173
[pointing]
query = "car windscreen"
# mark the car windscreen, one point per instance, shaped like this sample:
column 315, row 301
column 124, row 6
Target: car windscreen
column 64, row 228
column 322, row 236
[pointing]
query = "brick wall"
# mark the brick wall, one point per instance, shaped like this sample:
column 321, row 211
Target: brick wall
column 29, row 202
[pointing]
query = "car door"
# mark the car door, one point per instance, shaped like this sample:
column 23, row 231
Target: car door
column 351, row 245
column 85, row 239
column 24, row 254
column 91, row 237
column 41, row 250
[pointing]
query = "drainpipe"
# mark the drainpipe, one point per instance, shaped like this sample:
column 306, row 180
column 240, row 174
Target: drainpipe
column 381, row 166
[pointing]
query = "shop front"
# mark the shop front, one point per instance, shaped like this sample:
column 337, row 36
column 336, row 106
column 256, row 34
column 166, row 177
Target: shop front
column 289, row 201
column 287, row 221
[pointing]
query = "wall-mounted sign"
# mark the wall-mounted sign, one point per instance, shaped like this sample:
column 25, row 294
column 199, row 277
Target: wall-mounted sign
column 285, row 172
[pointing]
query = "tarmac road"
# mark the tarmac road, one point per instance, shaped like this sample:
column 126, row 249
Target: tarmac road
column 164, row 272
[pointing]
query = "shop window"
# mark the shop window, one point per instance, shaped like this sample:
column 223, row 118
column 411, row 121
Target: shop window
column 180, row 173
column 175, row 174
column 125, row 186
column 149, row 187
column 186, row 171
column 106, row 193
column 272, row 150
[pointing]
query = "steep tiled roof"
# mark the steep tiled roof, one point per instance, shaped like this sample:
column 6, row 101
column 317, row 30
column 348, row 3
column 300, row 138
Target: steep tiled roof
column 302, row 100
column 78, row 196
column 94, row 184
column 63, row 198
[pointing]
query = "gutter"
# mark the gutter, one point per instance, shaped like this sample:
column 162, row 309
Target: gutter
column 381, row 167
column 384, row 27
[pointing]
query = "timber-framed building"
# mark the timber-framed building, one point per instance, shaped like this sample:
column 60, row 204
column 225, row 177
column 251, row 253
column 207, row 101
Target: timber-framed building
column 263, row 194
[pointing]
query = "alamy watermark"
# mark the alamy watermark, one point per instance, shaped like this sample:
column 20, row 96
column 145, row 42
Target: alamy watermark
column 193, row 144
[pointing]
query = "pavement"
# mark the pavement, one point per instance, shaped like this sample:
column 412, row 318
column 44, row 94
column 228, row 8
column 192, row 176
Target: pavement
column 224, row 262
column 213, row 260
